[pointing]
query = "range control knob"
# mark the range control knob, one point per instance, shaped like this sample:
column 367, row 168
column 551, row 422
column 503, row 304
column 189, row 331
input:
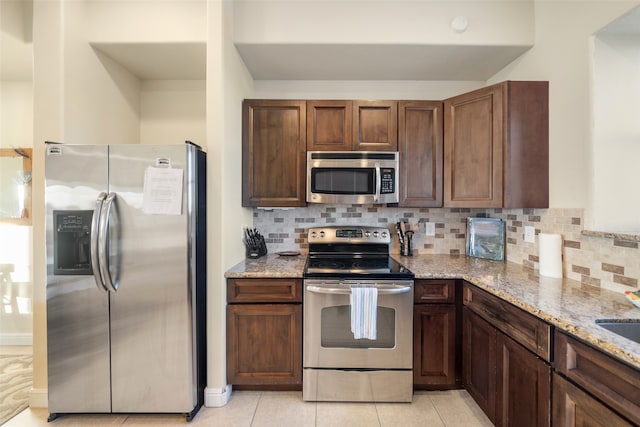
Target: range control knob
column 376, row 234
column 384, row 234
column 314, row 234
column 367, row 233
column 322, row 234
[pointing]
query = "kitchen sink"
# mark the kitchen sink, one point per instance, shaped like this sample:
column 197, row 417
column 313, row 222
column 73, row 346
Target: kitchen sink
column 629, row 329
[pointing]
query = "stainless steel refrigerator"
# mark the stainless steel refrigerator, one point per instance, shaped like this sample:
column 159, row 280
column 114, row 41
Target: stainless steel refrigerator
column 126, row 278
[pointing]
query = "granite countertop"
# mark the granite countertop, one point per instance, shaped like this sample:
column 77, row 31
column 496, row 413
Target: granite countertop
column 569, row 305
column 271, row 265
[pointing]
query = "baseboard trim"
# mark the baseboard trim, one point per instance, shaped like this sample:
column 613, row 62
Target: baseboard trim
column 16, row 339
column 39, row 398
column 217, row 397
column 213, row 397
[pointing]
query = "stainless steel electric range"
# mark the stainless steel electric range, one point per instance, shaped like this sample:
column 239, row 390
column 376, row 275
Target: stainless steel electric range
column 358, row 318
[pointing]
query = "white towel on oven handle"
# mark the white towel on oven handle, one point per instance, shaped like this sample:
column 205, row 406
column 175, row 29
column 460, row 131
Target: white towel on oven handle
column 364, row 307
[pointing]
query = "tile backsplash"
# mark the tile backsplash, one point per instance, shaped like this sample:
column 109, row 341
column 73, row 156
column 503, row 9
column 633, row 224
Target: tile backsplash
column 596, row 260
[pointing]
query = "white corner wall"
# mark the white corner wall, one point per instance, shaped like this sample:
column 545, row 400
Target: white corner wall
column 561, row 54
column 101, row 98
column 616, row 134
column 138, row 21
column 228, row 82
column 173, row 111
column 16, row 114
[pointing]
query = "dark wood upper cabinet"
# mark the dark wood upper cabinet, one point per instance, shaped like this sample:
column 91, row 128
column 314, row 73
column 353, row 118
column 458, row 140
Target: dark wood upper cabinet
column 274, row 153
column 375, row 125
column 420, row 146
column 496, row 147
column 329, row 125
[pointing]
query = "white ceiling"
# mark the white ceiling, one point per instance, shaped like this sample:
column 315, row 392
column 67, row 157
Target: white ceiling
column 627, row 25
column 375, row 62
column 159, row 61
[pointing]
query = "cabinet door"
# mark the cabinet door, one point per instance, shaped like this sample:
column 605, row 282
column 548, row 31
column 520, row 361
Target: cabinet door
column 479, row 361
column 420, row 147
column 572, row 407
column 329, row 125
column 607, row 379
column 473, row 149
column 434, row 345
column 264, row 344
column 523, row 386
column 375, row 125
column 274, row 153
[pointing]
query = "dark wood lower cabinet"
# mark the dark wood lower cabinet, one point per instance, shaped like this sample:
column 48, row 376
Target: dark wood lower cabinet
column 264, row 344
column 434, row 346
column 479, row 361
column 508, row 382
column 523, row 386
column 572, row 407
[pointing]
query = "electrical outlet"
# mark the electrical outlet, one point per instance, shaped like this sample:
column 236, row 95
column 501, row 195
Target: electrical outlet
column 430, row 228
column 529, row 234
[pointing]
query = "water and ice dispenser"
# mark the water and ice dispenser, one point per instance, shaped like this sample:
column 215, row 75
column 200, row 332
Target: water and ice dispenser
column 72, row 242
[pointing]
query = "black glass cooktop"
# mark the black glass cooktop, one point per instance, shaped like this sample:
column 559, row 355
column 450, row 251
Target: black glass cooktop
column 364, row 266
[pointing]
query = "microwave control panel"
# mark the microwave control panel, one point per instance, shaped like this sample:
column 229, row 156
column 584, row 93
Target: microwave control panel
column 387, row 181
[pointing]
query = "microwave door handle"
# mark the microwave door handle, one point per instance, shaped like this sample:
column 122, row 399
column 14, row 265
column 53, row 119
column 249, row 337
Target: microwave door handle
column 376, row 197
column 95, row 227
column 396, row 290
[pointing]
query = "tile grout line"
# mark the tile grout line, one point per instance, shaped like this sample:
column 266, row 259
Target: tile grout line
column 253, row 417
column 378, row 414
column 437, row 411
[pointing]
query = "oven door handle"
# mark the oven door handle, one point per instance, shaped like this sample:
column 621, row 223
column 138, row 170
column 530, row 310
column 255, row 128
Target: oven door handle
column 346, row 291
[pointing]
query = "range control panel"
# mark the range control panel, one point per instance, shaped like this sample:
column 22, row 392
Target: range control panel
column 348, row 234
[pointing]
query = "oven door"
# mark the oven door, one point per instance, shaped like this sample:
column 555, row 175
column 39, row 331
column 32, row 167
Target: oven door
column 328, row 340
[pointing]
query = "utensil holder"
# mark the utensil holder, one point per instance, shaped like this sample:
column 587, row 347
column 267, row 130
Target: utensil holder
column 258, row 250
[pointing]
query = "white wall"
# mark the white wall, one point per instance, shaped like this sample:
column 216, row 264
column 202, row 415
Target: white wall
column 561, row 55
column 173, row 111
column 147, row 21
column 228, row 82
column 101, row 98
column 385, row 89
column 616, row 134
column 16, row 114
column 382, row 21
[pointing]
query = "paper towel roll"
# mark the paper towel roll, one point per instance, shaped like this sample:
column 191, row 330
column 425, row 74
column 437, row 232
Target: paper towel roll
column 550, row 255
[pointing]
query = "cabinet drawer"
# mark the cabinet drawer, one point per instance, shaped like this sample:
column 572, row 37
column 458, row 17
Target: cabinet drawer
column 528, row 330
column 264, row 290
column 606, row 378
column 434, row 291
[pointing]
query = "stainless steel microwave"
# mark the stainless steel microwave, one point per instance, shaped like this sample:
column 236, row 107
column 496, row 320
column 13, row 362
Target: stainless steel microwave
column 352, row 177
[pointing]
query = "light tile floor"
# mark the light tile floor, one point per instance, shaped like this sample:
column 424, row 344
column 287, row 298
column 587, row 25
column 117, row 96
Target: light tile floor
column 282, row 409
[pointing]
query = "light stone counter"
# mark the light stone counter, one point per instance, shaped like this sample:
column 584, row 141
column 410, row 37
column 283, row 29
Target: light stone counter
column 271, row 265
column 566, row 304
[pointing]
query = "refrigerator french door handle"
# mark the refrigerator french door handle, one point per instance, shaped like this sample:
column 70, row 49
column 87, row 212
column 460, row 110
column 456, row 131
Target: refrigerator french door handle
column 103, row 240
column 95, row 226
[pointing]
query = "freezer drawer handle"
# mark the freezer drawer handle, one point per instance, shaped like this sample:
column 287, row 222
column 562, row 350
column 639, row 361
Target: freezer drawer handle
column 103, row 237
column 95, row 222
column 346, row 291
